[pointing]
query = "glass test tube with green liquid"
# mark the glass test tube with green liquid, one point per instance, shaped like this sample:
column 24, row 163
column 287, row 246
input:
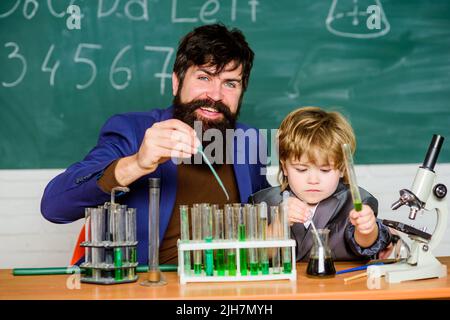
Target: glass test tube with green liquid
column 275, row 226
column 262, row 235
column 230, row 234
column 207, row 236
column 287, row 261
column 252, row 220
column 118, row 238
column 353, row 184
column 197, row 236
column 219, row 236
column 130, row 231
column 242, row 235
column 184, row 230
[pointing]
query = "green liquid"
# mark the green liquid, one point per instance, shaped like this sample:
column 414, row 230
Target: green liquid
column 287, row 267
column 187, row 262
column 133, row 259
column 133, row 255
column 209, row 268
column 265, row 267
column 220, row 262
column 118, row 263
column 254, row 269
column 243, row 255
column 197, row 268
column 242, row 252
column 242, row 232
column 357, row 205
column 231, row 263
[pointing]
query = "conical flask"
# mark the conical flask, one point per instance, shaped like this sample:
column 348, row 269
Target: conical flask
column 320, row 260
column 357, row 19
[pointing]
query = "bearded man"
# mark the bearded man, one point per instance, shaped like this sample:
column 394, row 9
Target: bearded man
column 210, row 75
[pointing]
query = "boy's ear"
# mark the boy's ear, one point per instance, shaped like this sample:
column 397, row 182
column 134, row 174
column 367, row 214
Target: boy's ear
column 283, row 167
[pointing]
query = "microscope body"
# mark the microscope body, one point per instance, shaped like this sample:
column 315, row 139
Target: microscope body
column 425, row 195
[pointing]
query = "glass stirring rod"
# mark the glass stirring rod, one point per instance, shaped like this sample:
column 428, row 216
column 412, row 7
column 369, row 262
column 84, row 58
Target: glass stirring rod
column 200, row 149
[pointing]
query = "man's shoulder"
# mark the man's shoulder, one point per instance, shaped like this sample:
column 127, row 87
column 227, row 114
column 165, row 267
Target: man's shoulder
column 142, row 118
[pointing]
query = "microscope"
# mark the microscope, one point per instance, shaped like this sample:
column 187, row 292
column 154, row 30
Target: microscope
column 425, row 195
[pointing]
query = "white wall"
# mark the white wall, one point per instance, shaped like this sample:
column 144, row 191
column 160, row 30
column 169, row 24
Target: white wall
column 28, row 240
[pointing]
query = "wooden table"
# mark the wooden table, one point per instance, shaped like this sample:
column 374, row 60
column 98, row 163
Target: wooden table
column 54, row 287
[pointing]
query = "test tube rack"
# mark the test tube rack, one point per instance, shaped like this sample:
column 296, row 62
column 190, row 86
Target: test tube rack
column 111, row 245
column 103, row 272
column 190, row 245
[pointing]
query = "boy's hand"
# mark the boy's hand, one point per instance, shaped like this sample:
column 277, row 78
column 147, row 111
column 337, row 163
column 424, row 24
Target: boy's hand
column 364, row 220
column 298, row 211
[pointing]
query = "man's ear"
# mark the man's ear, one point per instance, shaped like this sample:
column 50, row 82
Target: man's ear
column 175, row 84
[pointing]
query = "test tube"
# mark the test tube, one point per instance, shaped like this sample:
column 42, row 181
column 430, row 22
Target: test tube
column 219, row 236
column 242, row 235
column 88, row 239
column 109, row 222
column 230, row 234
column 252, row 221
column 98, row 236
column 118, row 239
column 262, row 235
column 197, row 236
column 130, row 230
column 207, row 236
column 287, row 261
column 184, row 219
column 154, row 274
column 275, row 225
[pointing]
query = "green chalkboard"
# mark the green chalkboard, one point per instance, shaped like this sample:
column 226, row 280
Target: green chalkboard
column 384, row 64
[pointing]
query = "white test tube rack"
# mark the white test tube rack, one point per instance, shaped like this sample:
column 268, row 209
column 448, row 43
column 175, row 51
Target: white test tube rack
column 193, row 245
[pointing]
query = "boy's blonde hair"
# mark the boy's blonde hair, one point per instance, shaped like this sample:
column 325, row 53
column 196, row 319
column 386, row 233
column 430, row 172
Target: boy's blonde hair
column 314, row 132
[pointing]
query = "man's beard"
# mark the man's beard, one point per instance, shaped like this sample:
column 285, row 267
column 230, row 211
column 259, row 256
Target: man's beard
column 186, row 112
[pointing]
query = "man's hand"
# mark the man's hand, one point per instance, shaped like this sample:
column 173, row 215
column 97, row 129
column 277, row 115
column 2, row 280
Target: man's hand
column 163, row 140
column 166, row 139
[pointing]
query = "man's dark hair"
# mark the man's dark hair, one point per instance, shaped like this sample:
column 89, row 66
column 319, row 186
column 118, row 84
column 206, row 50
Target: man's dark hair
column 214, row 45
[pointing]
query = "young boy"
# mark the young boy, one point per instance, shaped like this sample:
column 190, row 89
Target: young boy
column 312, row 169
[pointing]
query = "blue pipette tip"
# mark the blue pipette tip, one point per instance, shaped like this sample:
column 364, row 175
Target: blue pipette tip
column 200, row 149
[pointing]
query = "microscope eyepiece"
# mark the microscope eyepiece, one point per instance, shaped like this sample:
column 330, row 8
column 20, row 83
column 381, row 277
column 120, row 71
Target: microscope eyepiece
column 433, row 152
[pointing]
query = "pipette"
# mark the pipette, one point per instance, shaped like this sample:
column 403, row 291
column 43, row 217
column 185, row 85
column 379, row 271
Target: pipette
column 196, row 236
column 230, row 234
column 252, row 221
column 207, row 236
column 287, row 263
column 276, row 226
column 219, row 236
column 352, row 176
column 262, row 235
column 242, row 235
column 200, row 149
column 184, row 219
